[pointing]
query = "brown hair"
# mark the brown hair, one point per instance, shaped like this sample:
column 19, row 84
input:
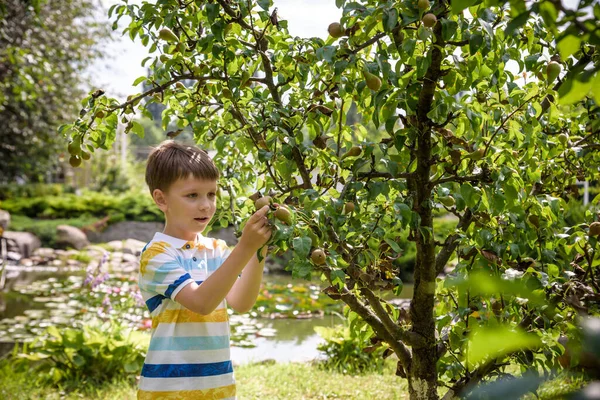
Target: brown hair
column 172, row 160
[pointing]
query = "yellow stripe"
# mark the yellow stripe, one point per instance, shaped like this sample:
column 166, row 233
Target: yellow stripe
column 184, row 315
column 207, row 394
column 154, row 250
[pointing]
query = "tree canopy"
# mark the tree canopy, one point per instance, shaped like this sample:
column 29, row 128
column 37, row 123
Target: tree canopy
column 488, row 116
column 44, row 48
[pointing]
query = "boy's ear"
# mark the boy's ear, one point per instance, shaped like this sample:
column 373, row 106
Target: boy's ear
column 159, row 198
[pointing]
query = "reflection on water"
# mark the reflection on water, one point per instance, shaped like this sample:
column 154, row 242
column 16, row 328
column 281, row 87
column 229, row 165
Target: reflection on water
column 295, row 341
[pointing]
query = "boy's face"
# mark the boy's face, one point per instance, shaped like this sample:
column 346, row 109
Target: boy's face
column 189, row 204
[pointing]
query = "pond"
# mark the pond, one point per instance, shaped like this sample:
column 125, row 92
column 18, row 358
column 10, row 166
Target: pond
column 280, row 327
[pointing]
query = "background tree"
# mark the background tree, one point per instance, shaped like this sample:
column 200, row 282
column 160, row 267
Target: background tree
column 44, row 48
column 478, row 125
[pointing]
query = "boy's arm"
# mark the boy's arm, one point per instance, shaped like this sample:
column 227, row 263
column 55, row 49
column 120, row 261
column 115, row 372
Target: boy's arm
column 204, row 298
column 242, row 295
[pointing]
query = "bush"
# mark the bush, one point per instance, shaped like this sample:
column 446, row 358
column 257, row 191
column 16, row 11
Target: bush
column 347, row 353
column 134, row 206
column 97, row 353
column 13, row 190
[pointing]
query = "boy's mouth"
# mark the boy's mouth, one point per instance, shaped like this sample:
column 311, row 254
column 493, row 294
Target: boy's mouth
column 203, row 219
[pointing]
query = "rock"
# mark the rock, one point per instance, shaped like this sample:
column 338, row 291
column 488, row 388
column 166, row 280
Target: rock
column 94, row 251
column 115, row 245
column 4, row 220
column 24, row 243
column 45, row 252
column 133, row 246
column 130, row 258
column 13, row 256
column 142, row 231
column 69, row 236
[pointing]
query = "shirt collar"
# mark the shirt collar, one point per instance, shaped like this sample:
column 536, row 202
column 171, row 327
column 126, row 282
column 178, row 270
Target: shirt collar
column 200, row 241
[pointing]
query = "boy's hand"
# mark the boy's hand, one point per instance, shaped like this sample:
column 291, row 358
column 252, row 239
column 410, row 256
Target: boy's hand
column 257, row 230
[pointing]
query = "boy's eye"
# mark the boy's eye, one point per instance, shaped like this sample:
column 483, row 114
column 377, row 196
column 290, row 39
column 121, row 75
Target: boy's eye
column 211, row 194
column 192, row 195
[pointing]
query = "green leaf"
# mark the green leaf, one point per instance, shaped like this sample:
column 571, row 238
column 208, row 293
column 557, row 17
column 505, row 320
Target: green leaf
column 475, row 42
column 264, row 4
column 390, row 19
column 302, row 246
column 138, row 129
column 449, row 28
column 492, row 342
column 338, row 278
column 596, row 88
column 575, row 87
column 516, row 23
column 568, row 45
column 326, row 53
column 459, row 5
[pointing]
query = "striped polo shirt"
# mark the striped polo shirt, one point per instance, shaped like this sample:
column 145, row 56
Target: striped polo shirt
column 188, row 356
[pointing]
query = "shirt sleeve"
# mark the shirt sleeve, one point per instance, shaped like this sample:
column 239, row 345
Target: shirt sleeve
column 161, row 271
column 222, row 251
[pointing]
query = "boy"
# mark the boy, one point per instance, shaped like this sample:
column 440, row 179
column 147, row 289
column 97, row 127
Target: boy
column 185, row 279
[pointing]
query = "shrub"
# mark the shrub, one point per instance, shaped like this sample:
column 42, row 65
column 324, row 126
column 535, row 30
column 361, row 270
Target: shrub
column 97, row 353
column 44, row 229
column 13, row 190
column 348, row 353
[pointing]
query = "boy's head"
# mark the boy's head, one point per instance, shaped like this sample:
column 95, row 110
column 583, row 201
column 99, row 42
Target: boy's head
column 183, row 183
column 171, row 161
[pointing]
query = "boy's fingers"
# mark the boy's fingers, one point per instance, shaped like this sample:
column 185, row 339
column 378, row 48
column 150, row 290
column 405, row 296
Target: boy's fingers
column 260, row 213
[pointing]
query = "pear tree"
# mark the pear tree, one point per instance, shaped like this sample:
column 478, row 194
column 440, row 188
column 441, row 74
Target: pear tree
column 485, row 113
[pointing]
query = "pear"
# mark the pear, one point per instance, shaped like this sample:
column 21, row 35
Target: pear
column 227, row 93
column 284, row 215
column 318, row 256
column 75, row 161
column 85, row 155
column 534, row 220
column 353, row 152
column 263, row 201
column 477, row 154
column 373, row 81
column 349, row 207
column 164, row 58
column 423, row 4
column 335, row 30
column 563, row 139
column 594, row 229
column 167, row 35
column 429, row 20
column 448, row 201
column 74, row 146
column 552, row 71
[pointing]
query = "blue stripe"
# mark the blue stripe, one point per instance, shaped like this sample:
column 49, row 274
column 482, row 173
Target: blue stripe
column 186, row 370
column 153, row 302
column 189, row 343
column 176, row 284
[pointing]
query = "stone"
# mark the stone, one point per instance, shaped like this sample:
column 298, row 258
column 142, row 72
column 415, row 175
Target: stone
column 24, row 243
column 133, row 246
column 142, row 231
column 130, row 258
column 4, row 220
column 45, row 252
column 70, row 236
column 115, row 245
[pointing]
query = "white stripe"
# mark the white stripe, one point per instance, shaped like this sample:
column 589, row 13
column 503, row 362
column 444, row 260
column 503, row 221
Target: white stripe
column 173, row 305
column 177, row 384
column 186, row 329
column 187, row 356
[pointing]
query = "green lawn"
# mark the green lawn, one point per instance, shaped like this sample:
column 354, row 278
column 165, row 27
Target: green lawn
column 262, row 381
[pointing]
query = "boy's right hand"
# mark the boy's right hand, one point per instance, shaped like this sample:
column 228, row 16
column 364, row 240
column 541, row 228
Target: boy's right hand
column 257, row 230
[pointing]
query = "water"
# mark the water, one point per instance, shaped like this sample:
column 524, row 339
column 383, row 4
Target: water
column 282, row 340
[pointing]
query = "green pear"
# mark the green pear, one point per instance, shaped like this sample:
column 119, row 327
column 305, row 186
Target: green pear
column 429, row 20
column 335, row 30
column 167, row 35
column 373, row 81
column 552, row 71
column 318, row 256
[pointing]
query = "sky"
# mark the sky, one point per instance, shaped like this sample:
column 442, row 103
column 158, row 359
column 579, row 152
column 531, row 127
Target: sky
column 122, row 62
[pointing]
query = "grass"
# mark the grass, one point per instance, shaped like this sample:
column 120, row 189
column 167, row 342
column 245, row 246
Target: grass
column 262, row 381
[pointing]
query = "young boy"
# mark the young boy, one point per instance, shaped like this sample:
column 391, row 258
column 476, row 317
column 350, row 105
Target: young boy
column 185, row 279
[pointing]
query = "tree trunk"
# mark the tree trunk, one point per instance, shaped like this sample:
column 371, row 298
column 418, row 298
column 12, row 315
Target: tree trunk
column 422, row 376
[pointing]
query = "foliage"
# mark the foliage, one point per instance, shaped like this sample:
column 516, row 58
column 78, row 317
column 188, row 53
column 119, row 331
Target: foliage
column 135, row 206
column 347, row 353
column 43, row 51
column 472, row 120
column 96, row 353
column 14, row 190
